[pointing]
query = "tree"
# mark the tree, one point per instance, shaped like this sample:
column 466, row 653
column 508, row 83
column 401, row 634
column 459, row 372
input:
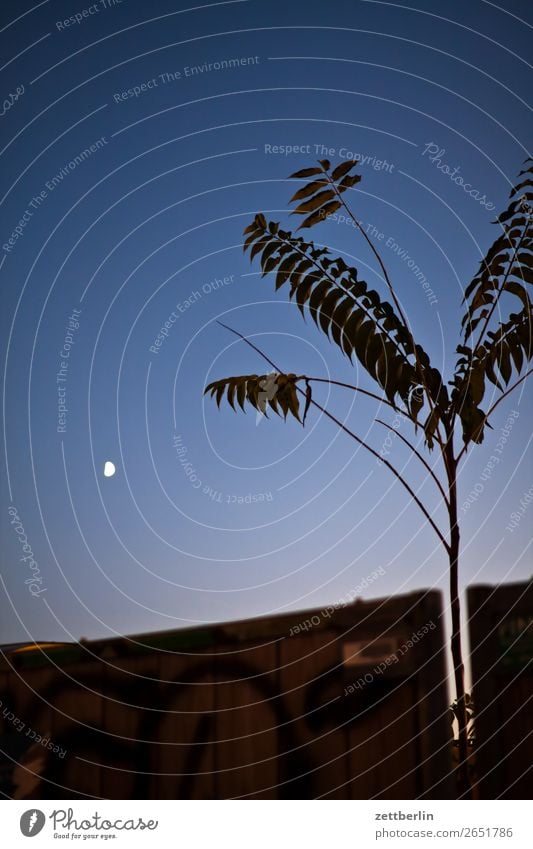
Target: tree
column 375, row 331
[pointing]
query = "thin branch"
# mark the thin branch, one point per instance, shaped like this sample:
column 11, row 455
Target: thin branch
column 326, row 379
column 353, row 435
column 389, row 466
column 500, row 399
column 365, row 392
column 251, row 344
column 421, row 458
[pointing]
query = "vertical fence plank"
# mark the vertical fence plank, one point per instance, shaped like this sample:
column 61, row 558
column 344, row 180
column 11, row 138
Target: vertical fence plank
column 501, row 639
column 186, row 731
column 314, row 761
column 246, row 721
column 131, row 693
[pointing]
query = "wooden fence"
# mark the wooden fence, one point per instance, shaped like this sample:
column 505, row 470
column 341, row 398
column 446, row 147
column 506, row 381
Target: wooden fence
column 344, row 703
column 501, row 639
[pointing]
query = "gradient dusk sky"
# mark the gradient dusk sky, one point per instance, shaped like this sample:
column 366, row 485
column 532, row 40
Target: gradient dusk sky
column 214, row 515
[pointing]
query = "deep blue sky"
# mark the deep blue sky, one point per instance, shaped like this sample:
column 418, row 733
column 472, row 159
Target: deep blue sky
column 155, row 214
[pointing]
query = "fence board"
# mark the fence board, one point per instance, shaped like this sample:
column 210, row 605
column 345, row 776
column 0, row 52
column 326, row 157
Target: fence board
column 186, row 732
column 501, row 638
column 246, row 721
column 255, row 709
column 314, row 762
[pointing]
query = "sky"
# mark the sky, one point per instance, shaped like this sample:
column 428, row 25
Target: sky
column 134, row 153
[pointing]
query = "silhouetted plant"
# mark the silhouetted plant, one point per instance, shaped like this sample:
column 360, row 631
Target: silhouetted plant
column 377, row 333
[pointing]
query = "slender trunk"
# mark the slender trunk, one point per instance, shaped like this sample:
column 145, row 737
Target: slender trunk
column 457, row 654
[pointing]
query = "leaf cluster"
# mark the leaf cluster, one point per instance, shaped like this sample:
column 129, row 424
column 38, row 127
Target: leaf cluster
column 275, row 391
column 368, row 328
column 321, row 197
column 502, row 347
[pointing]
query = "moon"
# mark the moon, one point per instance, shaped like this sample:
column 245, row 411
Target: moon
column 109, row 469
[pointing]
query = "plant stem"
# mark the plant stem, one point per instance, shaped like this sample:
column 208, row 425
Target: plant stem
column 363, row 392
column 457, row 653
